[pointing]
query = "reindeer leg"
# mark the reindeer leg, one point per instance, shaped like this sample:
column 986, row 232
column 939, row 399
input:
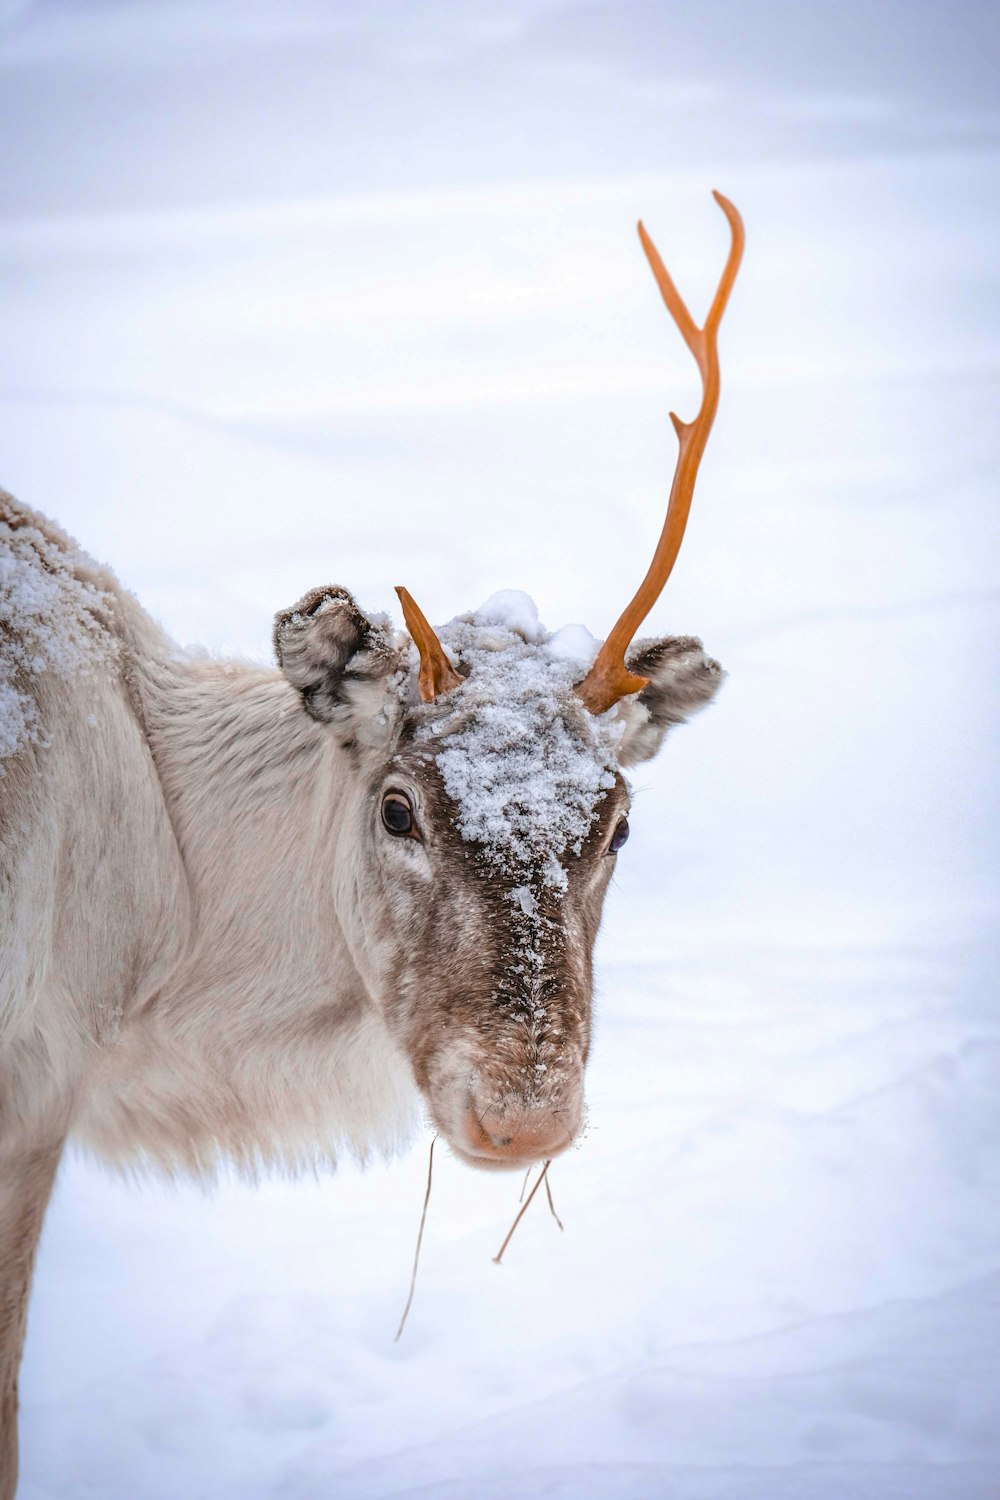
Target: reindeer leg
column 26, row 1177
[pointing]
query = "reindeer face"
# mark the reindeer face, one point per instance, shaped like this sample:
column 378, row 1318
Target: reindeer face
column 486, row 824
column 490, row 984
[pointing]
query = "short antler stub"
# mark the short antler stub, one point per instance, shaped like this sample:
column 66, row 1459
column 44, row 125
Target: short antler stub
column 609, row 678
column 437, row 675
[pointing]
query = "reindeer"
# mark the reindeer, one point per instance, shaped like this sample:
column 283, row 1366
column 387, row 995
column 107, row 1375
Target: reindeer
column 263, row 916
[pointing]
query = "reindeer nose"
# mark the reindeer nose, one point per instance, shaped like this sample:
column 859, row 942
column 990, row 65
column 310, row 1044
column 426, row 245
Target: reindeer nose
column 514, row 1134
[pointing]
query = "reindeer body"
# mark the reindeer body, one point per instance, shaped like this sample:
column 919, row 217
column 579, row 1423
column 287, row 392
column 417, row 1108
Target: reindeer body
column 204, row 960
column 267, row 916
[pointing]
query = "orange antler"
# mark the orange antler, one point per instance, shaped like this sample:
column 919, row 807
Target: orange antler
column 437, row 675
column 609, row 678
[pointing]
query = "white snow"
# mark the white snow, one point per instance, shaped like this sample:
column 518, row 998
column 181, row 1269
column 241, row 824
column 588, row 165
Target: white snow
column 525, row 898
column 572, row 643
column 49, row 623
column 302, row 294
column 525, row 763
column 515, row 610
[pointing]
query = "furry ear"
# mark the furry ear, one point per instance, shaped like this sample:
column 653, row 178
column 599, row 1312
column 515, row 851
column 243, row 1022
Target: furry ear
column 337, row 657
column 682, row 679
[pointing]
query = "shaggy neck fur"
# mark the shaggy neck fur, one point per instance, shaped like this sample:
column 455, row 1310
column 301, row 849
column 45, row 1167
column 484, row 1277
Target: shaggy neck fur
column 261, row 1044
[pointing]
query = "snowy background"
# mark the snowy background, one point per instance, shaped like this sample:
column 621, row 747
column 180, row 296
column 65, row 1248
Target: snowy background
column 297, row 293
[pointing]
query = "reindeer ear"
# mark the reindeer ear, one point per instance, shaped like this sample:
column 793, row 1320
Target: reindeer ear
column 337, row 657
column 682, row 679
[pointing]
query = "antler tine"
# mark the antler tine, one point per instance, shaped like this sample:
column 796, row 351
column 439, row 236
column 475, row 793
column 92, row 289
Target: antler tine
column 437, row 675
column 609, row 679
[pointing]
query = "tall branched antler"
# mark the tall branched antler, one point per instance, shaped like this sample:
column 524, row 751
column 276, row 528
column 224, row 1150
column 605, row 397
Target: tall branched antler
column 609, row 678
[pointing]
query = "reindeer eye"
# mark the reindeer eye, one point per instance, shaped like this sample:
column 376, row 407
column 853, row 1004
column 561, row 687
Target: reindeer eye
column 619, row 837
column 397, row 815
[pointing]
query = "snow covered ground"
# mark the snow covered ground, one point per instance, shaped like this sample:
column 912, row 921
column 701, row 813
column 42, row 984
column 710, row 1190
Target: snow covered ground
column 297, row 293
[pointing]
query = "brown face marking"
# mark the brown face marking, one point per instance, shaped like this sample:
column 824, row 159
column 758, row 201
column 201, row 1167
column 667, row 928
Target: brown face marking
column 491, row 996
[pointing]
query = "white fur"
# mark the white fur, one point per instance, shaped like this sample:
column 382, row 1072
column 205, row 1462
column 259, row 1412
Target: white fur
column 176, row 975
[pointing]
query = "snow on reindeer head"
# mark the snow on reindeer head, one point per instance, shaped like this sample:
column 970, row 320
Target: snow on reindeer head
column 488, row 807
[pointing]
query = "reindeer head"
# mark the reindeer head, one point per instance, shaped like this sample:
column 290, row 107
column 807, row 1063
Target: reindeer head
column 487, row 809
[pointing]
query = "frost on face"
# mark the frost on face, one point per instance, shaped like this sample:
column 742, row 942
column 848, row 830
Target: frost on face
column 525, row 762
column 47, row 625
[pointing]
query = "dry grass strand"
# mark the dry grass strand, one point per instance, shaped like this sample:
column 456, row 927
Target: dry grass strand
column 552, row 1207
column 420, row 1240
column 521, row 1213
